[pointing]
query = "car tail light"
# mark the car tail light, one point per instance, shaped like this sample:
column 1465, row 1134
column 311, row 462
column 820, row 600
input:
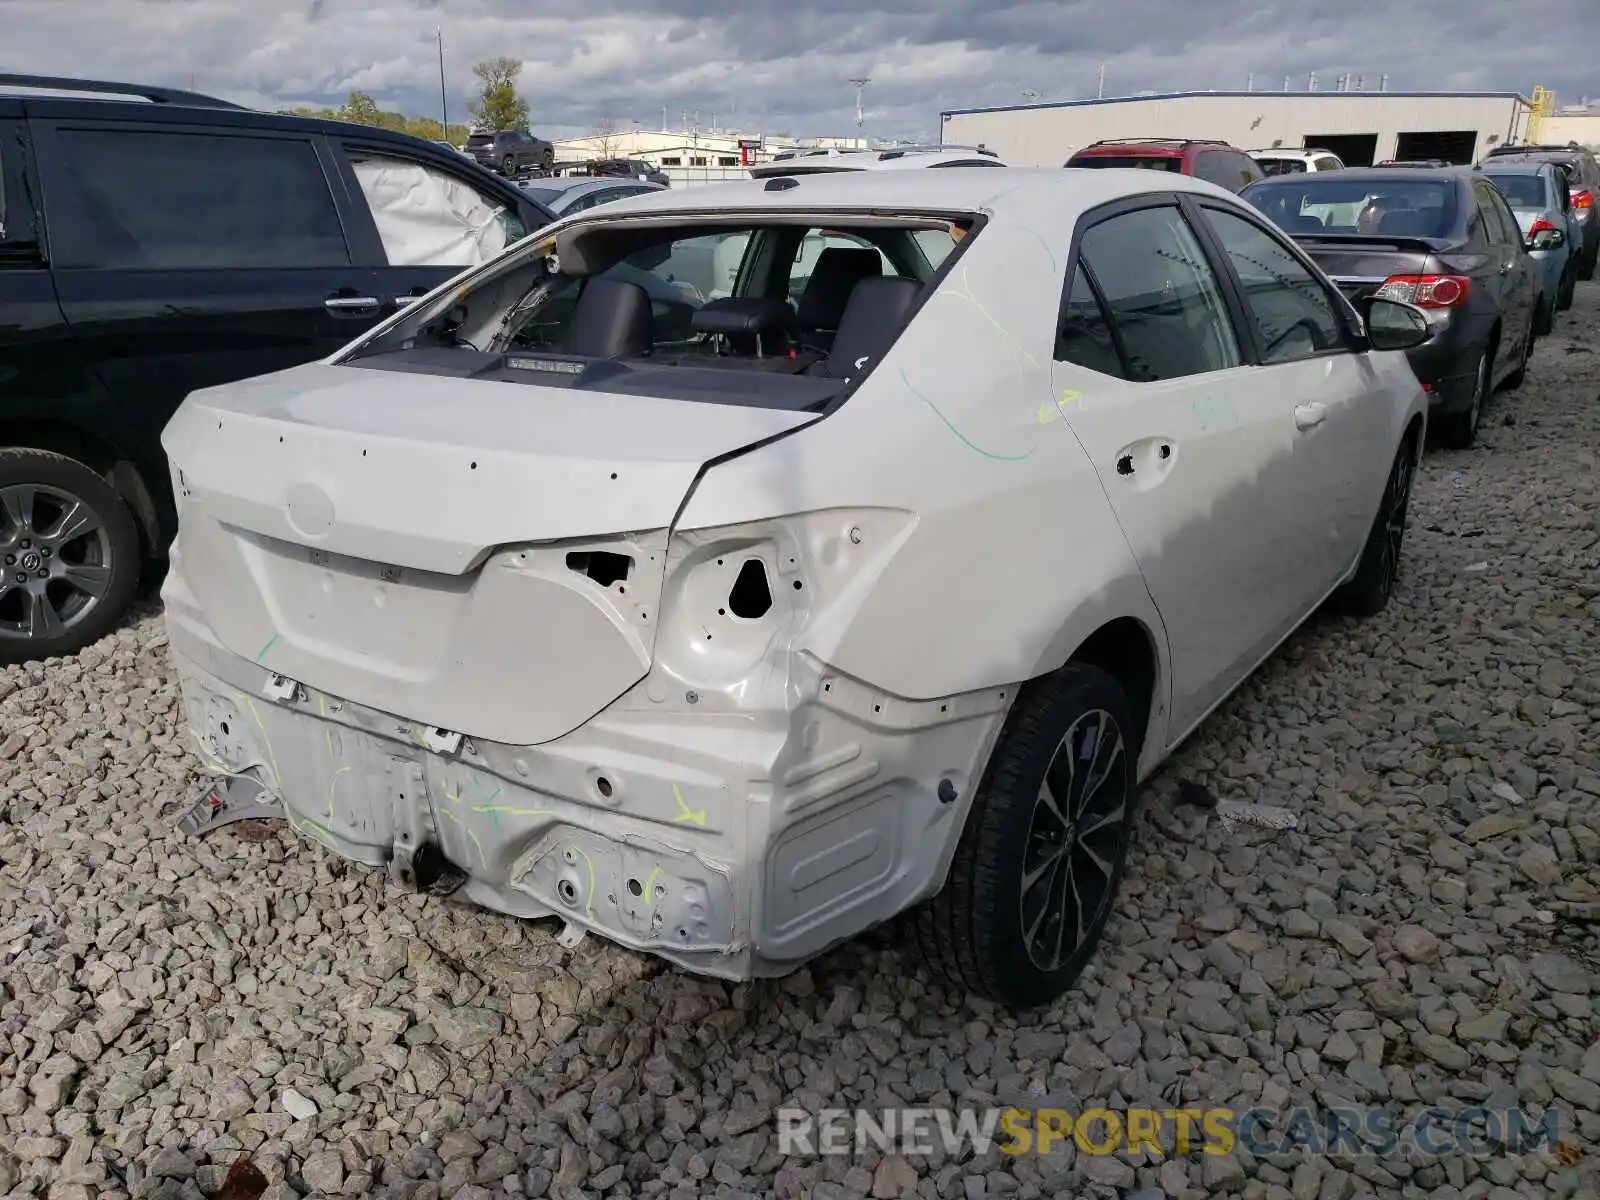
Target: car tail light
column 1427, row 291
column 1583, row 199
column 1541, row 226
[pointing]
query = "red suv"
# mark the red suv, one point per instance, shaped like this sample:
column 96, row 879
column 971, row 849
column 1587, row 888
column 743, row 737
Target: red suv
column 1216, row 162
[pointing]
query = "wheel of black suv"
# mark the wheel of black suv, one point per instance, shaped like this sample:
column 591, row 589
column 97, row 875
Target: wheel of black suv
column 70, row 553
column 1044, row 847
column 508, row 166
column 1368, row 591
column 548, row 159
column 1459, row 430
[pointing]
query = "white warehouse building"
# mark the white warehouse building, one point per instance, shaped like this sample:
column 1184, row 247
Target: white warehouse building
column 1360, row 127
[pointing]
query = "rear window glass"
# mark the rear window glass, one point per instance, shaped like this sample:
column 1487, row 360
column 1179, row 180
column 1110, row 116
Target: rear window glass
column 1380, row 207
column 481, row 139
column 657, row 308
column 1281, row 166
column 1524, row 191
column 1148, row 162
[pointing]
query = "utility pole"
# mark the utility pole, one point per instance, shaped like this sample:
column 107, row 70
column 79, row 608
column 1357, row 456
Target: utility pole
column 1100, row 83
column 1286, row 83
column 444, row 104
column 1250, row 82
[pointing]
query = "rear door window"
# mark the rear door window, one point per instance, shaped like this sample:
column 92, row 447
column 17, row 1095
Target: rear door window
column 1163, row 298
column 143, row 199
column 429, row 217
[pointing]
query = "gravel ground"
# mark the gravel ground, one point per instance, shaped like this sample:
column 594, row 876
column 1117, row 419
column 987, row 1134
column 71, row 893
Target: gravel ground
column 1428, row 935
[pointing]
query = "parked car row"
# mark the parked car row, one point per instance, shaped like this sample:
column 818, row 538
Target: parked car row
column 1492, row 253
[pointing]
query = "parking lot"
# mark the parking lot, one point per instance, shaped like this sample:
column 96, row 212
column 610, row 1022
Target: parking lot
column 1426, row 936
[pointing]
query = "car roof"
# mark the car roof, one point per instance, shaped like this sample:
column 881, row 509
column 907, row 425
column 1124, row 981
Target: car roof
column 1291, row 152
column 190, row 109
column 1369, row 175
column 893, row 158
column 1516, row 166
column 1150, row 145
column 573, row 183
column 1015, row 192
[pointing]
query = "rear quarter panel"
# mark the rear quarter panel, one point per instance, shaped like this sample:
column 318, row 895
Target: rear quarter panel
column 1014, row 556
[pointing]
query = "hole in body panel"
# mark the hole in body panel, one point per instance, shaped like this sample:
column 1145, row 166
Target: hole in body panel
column 750, row 597
column 605, row 567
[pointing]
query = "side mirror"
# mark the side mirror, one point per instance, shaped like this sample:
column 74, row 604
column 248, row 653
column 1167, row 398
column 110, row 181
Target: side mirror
column 1392, row 325
column 1547, row 239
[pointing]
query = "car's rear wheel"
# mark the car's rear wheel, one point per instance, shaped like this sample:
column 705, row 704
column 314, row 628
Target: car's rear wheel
column 70, row 554
column 1569, row 285
column 508, row 166
column 1458, row 430
column 1587, row 264
column 1044, row 847
column 548, row 158
column 1368, row 590
column 1520, row 376
column 1544, row 320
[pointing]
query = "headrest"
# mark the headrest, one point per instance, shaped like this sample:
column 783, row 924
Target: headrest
column 735, row 315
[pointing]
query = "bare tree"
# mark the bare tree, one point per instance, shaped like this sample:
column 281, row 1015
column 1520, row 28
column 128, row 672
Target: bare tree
column 605, row 134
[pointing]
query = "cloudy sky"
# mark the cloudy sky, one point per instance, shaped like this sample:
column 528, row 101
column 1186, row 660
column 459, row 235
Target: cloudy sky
column 785, row 65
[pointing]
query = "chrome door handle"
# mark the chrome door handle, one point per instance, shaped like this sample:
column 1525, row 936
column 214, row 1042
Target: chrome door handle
column 402, row 301
column 346, row 303
column 1308, row 416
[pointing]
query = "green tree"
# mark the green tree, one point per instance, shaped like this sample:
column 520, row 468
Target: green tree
column 498, row 106
column 361, row 109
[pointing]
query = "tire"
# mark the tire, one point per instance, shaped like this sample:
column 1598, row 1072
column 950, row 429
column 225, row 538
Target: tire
column 974, row 934
column 1459, row 430
column 88, row 576
column 1544, row 321
column 1586, row 262
column 1520, row 376
column 1368, row 590
column 548, row 158
column 508, row 167
column 1569, row 284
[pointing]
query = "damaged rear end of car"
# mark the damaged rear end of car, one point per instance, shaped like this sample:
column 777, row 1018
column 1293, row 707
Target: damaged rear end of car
column 431, row 603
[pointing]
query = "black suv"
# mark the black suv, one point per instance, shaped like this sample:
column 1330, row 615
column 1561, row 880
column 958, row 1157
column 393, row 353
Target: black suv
column 511, row 152
column 1582, row 170
column 158, row 242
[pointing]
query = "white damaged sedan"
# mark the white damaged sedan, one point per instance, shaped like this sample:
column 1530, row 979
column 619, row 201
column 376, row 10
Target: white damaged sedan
column 727, row 571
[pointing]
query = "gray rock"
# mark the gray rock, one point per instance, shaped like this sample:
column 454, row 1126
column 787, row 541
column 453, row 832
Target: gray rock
column 1106, row 1170
column 1416, row 944
column 324, row 1171
column 468, row 1029
column 1561, row 974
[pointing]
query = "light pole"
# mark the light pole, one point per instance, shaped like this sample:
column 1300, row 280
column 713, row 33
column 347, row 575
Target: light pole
column 861, row 86
column 444, row 105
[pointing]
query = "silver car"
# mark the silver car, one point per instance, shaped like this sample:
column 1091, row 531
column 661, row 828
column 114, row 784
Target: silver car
column 1538, row 195
column 566, row 196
